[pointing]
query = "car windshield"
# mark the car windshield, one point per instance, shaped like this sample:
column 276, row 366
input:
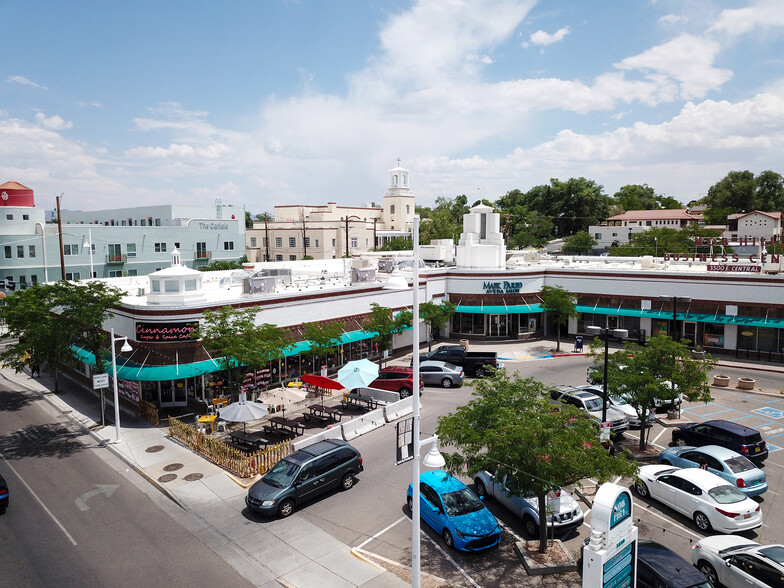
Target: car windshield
column 461, row 502
column 593, row 404
column 739, row 464
column 618, row 400
column 282, row 474
column 726, row 494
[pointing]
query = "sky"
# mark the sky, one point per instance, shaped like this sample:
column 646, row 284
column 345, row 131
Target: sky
column 275, row 102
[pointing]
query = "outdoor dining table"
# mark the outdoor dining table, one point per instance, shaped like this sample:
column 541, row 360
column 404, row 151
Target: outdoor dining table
column 351, row 399
column 285, row 425
column 209, row 418
column 219, row 402
column 252, row 442
column 323, row 413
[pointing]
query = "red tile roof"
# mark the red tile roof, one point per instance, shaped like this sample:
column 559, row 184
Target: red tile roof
column 661, row 214
column 14, row 186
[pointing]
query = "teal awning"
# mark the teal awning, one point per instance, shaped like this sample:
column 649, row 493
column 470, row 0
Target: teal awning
column 511, row 309
column 721, row 319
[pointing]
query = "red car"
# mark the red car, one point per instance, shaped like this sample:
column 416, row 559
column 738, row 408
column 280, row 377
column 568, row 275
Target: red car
column 398, row 379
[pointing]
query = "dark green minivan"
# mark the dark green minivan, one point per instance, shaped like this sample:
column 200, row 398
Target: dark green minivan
column 303, row 475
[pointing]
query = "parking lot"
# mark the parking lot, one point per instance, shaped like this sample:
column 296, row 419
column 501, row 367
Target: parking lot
column 382, row 486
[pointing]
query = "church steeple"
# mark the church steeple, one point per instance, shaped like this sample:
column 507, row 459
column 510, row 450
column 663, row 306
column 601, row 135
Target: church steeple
column 398, row 181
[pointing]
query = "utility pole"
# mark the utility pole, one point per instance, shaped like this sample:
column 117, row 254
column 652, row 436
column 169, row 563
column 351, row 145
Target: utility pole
column 266, row 235
column 60, row 233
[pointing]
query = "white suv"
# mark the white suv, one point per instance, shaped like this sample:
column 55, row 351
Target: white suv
column 592, row 404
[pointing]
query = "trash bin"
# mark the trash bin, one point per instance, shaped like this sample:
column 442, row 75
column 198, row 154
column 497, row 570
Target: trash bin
column 464, row 343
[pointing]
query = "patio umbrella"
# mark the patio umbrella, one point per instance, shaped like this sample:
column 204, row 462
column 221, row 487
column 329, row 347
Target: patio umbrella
column 243, row 411
column 321, row 382
column 358, row 373
column 282, row 397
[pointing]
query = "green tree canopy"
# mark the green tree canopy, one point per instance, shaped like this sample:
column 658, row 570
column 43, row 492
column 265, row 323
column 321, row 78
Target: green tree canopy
column 560, row 306
column 511, row 428
column 436, row 315
column 741, row 191
column 636, row 197
column 580, row 242
column 324, row 338
column 444, row 221
column 385, row 325
column 660, row 240
column 397, row 244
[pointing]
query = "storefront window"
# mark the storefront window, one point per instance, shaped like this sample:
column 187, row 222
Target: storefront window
column 767, row 339
column 659, row 327
column 747, row 337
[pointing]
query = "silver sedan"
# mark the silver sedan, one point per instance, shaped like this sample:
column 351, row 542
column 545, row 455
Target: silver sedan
column 441, row 373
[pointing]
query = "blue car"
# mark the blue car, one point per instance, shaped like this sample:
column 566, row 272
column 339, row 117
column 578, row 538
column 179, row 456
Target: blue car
column 456, row 513
column 730, row 465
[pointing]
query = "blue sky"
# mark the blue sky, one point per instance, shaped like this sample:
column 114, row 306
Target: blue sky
column 307, row 102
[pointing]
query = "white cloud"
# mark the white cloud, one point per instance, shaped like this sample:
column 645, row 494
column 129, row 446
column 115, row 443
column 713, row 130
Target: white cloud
column 542, row 38
column 764, row 14
column 669, row 19
column 687, row 60
column 24, row 82
column 53, row 123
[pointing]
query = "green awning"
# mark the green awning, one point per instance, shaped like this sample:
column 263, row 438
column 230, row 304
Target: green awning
column 513, row 309
column 720, row 319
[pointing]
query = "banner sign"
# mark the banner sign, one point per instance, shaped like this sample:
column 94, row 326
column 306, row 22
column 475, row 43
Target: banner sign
column 726, row 267
column 165, row 331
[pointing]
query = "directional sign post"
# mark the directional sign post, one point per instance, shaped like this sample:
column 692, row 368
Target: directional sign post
column 101, row 381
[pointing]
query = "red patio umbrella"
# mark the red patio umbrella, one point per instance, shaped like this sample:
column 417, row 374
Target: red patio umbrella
column 321, row 382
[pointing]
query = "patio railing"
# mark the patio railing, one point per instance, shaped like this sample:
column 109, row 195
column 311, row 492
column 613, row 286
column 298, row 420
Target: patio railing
column 239, row 463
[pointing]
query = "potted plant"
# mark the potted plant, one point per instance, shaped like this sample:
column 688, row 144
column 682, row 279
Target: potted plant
column 746, row 383
column 721, row 380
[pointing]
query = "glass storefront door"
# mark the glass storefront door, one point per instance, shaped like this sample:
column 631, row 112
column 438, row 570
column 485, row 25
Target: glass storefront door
column 690, row 332
column 498, row 325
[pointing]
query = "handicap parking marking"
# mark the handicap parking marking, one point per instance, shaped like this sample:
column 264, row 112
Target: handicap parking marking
column 771, row 430
column 772, row 448
column 770, row 412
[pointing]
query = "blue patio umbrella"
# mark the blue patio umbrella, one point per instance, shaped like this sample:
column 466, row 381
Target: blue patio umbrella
column 358, row 373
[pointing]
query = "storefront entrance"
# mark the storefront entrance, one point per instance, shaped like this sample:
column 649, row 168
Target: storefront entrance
column 498, row 325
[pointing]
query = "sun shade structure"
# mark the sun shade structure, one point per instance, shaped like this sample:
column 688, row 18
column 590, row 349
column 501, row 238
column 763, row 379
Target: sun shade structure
column 243, row 411
column 282, row 397
column 358, row 373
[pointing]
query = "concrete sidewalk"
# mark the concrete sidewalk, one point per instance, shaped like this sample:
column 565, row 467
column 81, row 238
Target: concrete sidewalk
column 290, row 552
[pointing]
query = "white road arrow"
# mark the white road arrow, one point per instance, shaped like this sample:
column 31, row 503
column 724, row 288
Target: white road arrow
column 105, row 489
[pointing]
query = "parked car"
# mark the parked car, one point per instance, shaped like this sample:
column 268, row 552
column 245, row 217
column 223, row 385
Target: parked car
column 620, row 404
column 737, row 562
column 398, row 379
column 700, row 495
column 456, row 513
column 744, row 440
column 3, row 495
column 303, row 475
column 592, row 404
column 568, row 517
column 441, row 373
column 659, row 567
column 730, row 465
column 476, row 363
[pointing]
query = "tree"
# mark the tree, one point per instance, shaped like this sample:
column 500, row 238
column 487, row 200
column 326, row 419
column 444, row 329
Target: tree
column 741, row 191
column 436, row 315
column 385, row 325
column 324, row 338
column 659, row 240
column 580, row 242
column 445, row 221
column 661, row 369
column 560, row 305
column 397, row 244
column 234, row 335
column 222, row 264
column 636, row 197
column 511, row 428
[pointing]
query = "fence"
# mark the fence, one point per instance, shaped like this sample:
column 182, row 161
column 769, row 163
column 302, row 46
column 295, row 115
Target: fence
column 148, row 411
column 233, row 460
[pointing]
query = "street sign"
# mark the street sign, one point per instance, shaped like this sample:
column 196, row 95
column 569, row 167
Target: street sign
column 100, row 381
column 404, row 449
column 604, row 431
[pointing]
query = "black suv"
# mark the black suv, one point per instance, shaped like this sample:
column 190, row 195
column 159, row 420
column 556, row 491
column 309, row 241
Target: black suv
column 659, row 567
column 303, row 475
column 746, row 441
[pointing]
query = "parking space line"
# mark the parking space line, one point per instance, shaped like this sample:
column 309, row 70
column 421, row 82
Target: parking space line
column 381, row 532
column 642, row 505
column 452, row 561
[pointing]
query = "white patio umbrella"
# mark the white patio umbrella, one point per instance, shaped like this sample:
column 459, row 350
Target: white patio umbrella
column 243, row 410
column 283, row 397
column 357, row 373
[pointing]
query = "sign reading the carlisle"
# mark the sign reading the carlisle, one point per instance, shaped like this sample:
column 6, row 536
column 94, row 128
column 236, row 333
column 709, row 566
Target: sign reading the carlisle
column 502, row 287
column 165, row 331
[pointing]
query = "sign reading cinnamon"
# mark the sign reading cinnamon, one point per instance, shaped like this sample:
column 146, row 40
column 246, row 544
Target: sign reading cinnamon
column 165, row 331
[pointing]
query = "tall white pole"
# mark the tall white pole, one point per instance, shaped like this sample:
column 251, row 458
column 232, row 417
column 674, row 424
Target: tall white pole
column 415, row 545
column 90, row 237
column 116, row 392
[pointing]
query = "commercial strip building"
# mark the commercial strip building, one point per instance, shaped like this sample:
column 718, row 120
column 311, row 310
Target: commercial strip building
column 110, row 243
column 299, row 232
column 497, row 297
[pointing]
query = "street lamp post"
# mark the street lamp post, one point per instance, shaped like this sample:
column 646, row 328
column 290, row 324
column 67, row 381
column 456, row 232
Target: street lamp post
column 676, row 335
column 125, row 348
column 348, row 218
column 605, row 332
column 434, row 458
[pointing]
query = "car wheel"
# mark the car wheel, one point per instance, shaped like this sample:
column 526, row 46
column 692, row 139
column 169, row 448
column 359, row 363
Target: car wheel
column 481, row 491
column 665, row 462
column 709, row 572
column 404, row 393
column 479, row 371
column 347, row 482
column 446, row 383
column 530, row 526
column 702, row 522
column 641, row 488
column 286, row 508
column 410, row 503
column 450, row 542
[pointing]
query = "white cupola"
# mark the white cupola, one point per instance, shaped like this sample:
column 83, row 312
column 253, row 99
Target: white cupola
column 177, row 284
